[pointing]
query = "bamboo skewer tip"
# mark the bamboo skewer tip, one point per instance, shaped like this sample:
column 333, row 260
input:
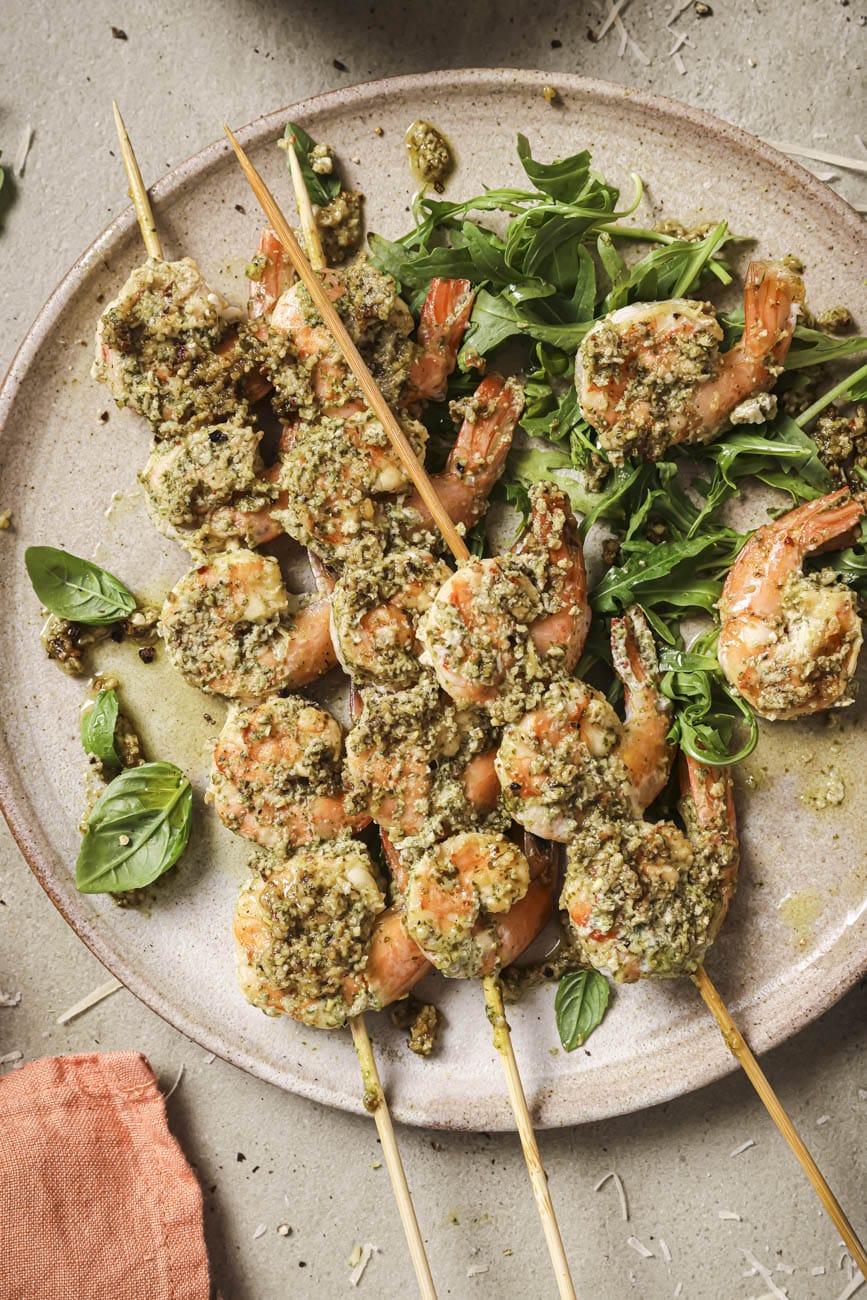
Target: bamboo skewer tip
column 740, row 1049
column 137, row 189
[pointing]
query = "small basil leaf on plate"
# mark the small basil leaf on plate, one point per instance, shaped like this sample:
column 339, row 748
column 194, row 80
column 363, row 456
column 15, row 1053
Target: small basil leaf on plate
column 138, row 829
column 97, row 728
column 580, row 1004
column 75, row 589
column 322, row 187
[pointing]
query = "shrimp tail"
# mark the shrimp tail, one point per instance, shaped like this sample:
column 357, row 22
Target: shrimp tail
column 444, row 317
column 773, row 295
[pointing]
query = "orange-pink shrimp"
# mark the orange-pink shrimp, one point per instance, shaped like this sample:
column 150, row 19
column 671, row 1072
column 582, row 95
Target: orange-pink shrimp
column 419, row 766
column 476, row 461
column 444, row 318
column 315, row 941
column 651, row 374
column 500, row 629
column 475, row 902
column 276, row 776
column 573, row 754
column 231, row 628
column 789, row 641
column 648, row 898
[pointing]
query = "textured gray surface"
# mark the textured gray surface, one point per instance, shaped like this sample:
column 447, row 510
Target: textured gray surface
column 178, row 76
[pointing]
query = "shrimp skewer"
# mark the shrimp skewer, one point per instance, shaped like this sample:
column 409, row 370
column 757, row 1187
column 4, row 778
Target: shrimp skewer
column 493, row 994
column 374, row 1096
column 789, row 642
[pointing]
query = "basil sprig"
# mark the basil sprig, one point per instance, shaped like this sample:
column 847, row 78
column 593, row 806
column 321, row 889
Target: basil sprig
column 137, row 830
column 322, row 187
column 75, row 589
column 580, row 1004
column 97, row 728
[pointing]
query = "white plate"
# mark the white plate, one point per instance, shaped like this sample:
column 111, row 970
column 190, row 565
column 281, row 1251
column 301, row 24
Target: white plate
column 779, row 963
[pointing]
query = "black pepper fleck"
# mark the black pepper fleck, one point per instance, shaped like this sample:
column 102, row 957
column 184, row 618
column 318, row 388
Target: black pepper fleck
column 147, row 654
column 239, row 207
column 556, row 45
column 240, row 1157
column 119, row 34
column 341, row 67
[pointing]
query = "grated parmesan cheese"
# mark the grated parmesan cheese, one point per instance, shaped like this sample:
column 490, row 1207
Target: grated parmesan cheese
column 23, row 150
column 818, row 1272
column 260, row 1231
column 475, row 1270
column 666, row 1253
column 788, row 1269
column 178, row 1078
column 820, row 155
column 640, row 1247
column 9, row 999
column 9, row 1057
column 730, row 1215
column 368, row 1250
column 765, row 1274
column 614, row 11
column 677, row 1290
column 621, row 1192
column 744, row 1146
column 823, row 1119
column 681, row 8
column 679, row 64
column 97, row 995
column 851, row 1288
column 210, row 1058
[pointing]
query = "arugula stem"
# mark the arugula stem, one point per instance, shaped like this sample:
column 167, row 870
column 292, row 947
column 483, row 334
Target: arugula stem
column 827, row 398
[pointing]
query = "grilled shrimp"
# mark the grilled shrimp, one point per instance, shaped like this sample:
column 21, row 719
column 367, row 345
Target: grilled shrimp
column 163, row 348
column 651, row 375
column 315, row 941
column 231, row 628
column 420, row 767
column 207, row 488
column 475, row 902
column 276, row 775
column 500, row 629
column 573, row 753
column 789, row 641
column 647, row 898
column 375, row 610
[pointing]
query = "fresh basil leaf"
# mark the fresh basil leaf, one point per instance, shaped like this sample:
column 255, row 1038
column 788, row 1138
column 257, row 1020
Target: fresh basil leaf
column 138, row 829
column 75, row 589
column 580, row 1004
column 321, row 188
column 97, row 728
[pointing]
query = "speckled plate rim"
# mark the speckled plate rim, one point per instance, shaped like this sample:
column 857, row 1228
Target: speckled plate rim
column 701, row 1063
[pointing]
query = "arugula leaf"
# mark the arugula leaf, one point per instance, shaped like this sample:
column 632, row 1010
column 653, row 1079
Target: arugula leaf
column 815, row 348
column 526, row 466
column 138, row 829
column 580, row 1004
column 706, row 710
column 496, row 318
column 75, row 589
column 98, row 724
column 322, row 187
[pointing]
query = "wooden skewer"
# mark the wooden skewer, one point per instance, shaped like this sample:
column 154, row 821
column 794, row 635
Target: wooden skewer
column 356, row 362
column 374, row 1101
column 137, row 191
column 493, row 993
column 374, row 1097
column 735, row 1043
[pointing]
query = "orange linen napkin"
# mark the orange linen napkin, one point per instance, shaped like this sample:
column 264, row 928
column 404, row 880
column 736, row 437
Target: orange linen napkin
column 96, row 1199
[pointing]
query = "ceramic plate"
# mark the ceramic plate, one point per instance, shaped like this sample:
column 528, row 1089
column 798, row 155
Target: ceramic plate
column 794, row 941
